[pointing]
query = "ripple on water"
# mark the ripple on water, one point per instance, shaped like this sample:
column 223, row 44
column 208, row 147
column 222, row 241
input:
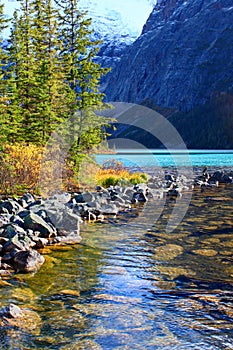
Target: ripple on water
column 132, row 285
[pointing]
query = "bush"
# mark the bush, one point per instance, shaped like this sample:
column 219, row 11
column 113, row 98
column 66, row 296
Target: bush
column 115, row 174
column 20, row 168
column 137, row 178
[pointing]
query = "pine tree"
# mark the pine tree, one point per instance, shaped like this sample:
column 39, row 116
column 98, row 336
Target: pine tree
column 23, row 69
column 50, row 89
column 41, row 95
column 83, row 75
column 3, row 79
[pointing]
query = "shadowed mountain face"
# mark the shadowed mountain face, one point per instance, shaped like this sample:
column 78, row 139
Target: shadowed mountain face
column 183, row 61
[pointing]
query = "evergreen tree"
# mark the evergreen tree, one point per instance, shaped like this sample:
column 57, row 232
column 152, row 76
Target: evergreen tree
column 23, row 69
column 50, row 89
column 83, row 75
column 3, row 78
column 40, row 95
column 52, row 75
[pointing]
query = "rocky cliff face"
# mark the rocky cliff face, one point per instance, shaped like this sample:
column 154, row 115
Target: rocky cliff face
column 184, row 55
column 113, row 23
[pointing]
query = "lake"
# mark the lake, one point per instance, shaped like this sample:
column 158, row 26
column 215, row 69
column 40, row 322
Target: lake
column 132, row 285
column 162, row 158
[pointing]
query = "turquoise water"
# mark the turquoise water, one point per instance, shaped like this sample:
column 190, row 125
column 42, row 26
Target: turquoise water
column 130, row 285
column 154, row 158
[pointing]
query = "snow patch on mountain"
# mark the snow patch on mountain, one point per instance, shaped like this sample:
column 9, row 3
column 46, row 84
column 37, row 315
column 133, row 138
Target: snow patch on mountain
column 120, row 20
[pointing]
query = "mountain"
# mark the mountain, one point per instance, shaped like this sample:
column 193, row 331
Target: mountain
column 117, row 23
column 182, row 65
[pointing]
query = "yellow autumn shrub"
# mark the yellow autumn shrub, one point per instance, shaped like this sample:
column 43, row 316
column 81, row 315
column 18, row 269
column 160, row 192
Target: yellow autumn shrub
column 116, row 174
column 20, row 168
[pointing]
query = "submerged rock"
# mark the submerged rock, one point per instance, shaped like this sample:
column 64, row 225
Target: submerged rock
column 19, row 319
column 56, row 221
column 10, row 311
column 28, row 261
column 68, row 239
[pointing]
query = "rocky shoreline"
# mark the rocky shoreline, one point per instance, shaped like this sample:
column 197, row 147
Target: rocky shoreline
column 28, row 224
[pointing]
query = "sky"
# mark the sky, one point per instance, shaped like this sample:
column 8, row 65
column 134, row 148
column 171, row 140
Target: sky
column 134, row 13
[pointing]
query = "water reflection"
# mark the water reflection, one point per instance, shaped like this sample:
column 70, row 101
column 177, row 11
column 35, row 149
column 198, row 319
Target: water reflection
column 131, row 287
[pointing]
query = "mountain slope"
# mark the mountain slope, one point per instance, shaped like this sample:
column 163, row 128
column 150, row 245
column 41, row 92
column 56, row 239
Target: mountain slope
column 117, row 23
column 183, row 60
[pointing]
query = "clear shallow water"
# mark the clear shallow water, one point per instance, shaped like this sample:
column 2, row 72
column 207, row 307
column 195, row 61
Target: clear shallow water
column 130, row 285
column 163, row 158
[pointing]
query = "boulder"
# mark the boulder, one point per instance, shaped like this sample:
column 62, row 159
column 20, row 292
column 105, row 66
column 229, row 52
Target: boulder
column 28, row 261
column 16, row 219
column 169, row 177
column 129, row 192
column 4, row 219
column 84, row 197
column 27, row 199
column 36, row 223
column 40, row 242
column 12, row 207
column 174, row 192
column 226, row 179
column 109, row 209
column 118, row 200
column 18, row 240
column 63, row 197
column 217, row 176
column 63, row 218
column 139, row 196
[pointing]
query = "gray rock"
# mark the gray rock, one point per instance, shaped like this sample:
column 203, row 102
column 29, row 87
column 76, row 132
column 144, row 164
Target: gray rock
column 36, row 223
column 84, row 197
column 93, row 205
column 226, row 179
column 69, row 239
column 63, row 198
column 175, row 192
column 99, row 189
column 27, row 199
column 129, row 192
column 109, row 209
column 63, row 218
column 118, row 200
column 169, row 177
column 3, row 240
column 17, row 220
column 28, row 261
column 10, row 311
column 19, row 241
column 139, row 196
column 7, row 258
column 4, row 219
column 40, row 242
column 11, row 206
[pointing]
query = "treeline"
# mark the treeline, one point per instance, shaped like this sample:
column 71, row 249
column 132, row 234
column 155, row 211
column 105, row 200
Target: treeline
column 48, row 74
